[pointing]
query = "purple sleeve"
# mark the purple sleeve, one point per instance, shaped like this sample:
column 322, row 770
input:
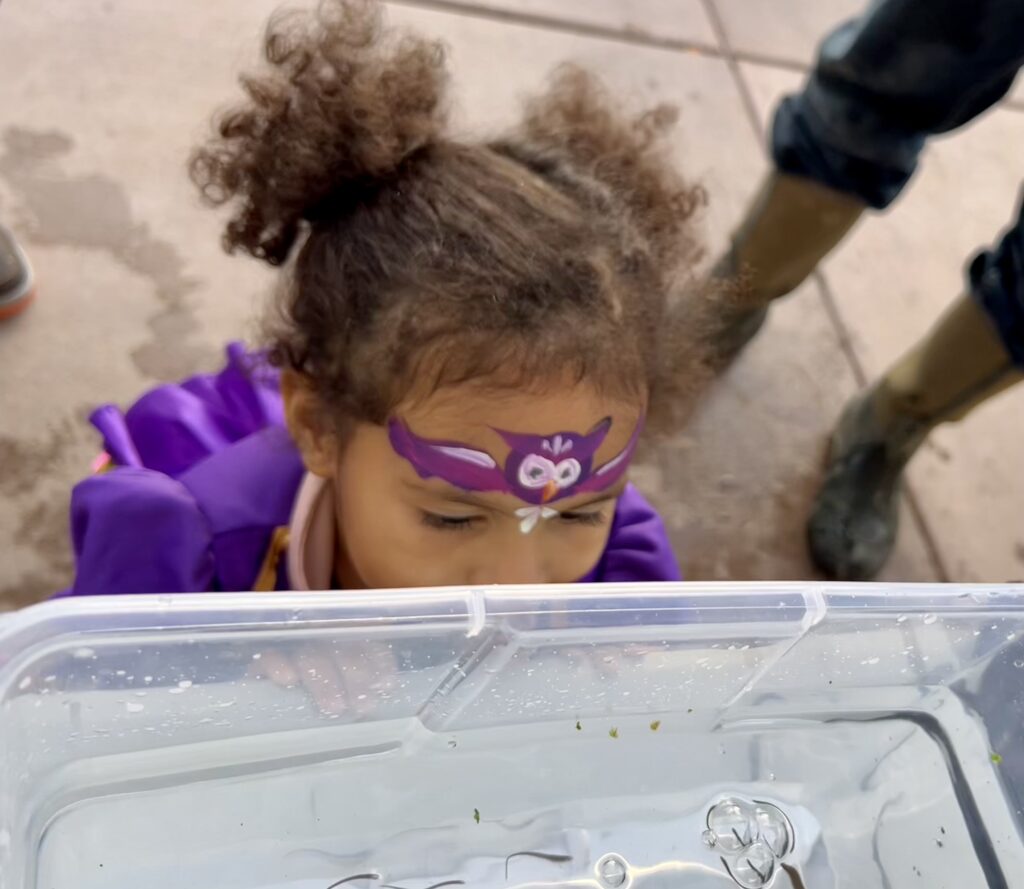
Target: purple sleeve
column 174, row 427
column 638, row 547
column 138, row 531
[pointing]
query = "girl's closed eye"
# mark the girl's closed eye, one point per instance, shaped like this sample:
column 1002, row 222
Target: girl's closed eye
column 589, row 519
column 441, row 522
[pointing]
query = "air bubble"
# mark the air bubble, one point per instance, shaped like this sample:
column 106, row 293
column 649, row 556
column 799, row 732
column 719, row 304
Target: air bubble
column 612, row 871
column 750, row 837
column 930, row 619
column 755, row 868
column 773, row 829
column 731, row 823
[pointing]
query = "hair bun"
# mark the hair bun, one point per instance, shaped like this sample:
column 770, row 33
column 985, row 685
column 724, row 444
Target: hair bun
column 345, row 102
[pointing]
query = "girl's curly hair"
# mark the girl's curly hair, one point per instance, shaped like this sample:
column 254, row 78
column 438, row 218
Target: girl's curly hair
column 562, row 251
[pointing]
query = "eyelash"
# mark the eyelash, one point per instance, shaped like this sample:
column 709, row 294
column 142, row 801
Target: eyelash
column 448, row 523
column 467, row 523
column 590, row 519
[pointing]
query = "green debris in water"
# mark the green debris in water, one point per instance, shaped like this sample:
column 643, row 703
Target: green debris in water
column 613, row 733
column 579, row 727
column 996, row 758
column 476, row 815
column 655, row 725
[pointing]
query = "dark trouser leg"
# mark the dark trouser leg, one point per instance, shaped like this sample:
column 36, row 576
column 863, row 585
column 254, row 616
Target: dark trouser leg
column 883, row 83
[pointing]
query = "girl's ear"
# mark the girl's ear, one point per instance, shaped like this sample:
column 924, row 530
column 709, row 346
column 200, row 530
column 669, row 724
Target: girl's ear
column 304, row 414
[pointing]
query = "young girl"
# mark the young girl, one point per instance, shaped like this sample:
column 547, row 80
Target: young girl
column 468, row 343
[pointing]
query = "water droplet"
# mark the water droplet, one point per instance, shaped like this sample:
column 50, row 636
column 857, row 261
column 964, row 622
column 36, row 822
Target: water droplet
column 25, row 683
column 84, row 654
column 185, row 683
column 709, row 838
column 1019, row 664
column 930, row 618
column 612, row 871
column 901, row 618
column 133, row 707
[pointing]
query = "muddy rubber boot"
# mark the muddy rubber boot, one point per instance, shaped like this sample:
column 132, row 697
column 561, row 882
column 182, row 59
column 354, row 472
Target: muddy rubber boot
column 16, row 283
column 790, row 226
column 959, row 364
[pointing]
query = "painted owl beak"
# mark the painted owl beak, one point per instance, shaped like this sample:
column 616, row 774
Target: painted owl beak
column 550, row 489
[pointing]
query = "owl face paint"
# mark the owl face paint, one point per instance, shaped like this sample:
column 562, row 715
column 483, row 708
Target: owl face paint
column 439, row 498
column 540, row 469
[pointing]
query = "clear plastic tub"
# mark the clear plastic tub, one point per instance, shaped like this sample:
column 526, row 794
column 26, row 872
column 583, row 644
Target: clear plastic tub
column 691, row 736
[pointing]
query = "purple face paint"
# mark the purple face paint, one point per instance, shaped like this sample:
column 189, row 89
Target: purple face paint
column 539, row 469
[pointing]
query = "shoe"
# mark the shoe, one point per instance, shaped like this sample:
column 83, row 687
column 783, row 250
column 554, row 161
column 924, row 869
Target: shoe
column 958, row 365
column 16, row 280
column 852, row 529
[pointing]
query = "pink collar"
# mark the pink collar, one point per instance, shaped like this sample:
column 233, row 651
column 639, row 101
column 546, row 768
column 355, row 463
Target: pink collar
column 312, row 536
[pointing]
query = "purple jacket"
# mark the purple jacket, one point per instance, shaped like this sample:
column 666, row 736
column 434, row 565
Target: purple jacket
column 205, row 473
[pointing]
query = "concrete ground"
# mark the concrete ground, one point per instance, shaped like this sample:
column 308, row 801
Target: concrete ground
column 100, row 101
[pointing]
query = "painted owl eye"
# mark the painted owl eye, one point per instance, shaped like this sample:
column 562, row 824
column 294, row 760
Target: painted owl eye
column 536, row 471
column 567, row 472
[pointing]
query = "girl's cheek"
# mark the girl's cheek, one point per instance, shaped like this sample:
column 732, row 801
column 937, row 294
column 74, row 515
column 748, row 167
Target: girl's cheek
column 577, row 552
column 408, row 553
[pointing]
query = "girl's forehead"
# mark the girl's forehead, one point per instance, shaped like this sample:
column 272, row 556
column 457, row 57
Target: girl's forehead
column 471, row 416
